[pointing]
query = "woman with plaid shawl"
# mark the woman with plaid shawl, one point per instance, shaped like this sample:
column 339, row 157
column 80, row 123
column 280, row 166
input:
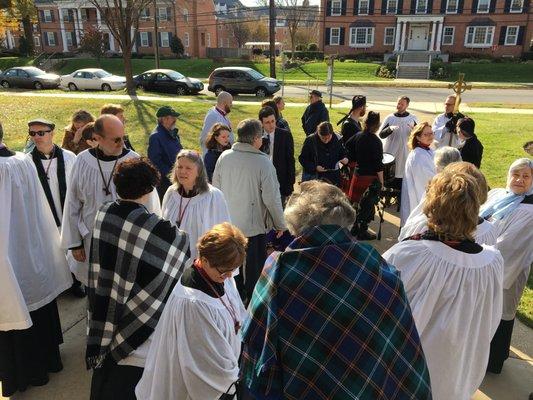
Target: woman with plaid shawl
column 136, row 259
column 329, row 317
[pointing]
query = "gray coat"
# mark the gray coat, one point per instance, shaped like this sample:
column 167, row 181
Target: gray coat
column 248, row 180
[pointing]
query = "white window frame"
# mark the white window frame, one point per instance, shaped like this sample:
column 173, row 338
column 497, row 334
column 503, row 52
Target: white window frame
column 363, row 10
column 185, row 13
column 479, row 10
column 389, row 10
column 336, row 5
column 208, row 39
column 369, row 37
column 65, row 15
column 337, row 36
column 143, row 14
column 515, row 35
column 37, row 41
column 51, row 39
column 451, row 10
column 143, row 39
column 392, row 37
column 165, row 42
column 162, row 16
column 84, row 14
column 227, row 42
column 47, row 14
column 418, row 10
column 280, row 22
column 444, row 35
column 472, row 31
column 186, row 39
column 516, row 10
column 220, row 42
column 70, row 43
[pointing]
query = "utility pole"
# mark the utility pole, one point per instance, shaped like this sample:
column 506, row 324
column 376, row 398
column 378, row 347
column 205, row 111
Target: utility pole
column 272, row 37
column 156, row 32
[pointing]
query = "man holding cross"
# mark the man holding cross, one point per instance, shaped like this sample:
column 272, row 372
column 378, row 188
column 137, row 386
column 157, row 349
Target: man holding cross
column 91, row 185
column 444, row 124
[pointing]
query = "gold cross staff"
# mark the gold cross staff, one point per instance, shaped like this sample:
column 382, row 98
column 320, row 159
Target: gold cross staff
column 459, row 87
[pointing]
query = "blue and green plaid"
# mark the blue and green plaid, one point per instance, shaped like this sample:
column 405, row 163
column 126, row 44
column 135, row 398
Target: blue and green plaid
column 330, row 320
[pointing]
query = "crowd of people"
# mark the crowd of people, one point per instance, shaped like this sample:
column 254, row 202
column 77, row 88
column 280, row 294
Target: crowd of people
column 172, row 251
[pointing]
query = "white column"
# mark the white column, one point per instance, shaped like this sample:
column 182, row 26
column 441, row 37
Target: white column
column 111, row 42
column 439, row 36
column 433, row 32
column 98, row 18
column 77, row 24
column 404, row 34
column 10, row 41
column 62, row 28
column 397, row 34
column 133, row 39
column 80, row 21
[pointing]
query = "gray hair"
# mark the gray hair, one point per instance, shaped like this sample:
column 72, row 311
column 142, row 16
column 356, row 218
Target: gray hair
column 223, row 98
column 517, row 165
column 446, row 155
column 248, row 130
column 201, row 185
column 318, row 203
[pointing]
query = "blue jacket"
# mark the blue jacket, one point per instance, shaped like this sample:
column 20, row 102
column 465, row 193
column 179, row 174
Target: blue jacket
column 163, row 147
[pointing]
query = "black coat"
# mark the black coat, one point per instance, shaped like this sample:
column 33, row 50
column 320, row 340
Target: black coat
column 366, row 150
column 314, row 114
column 349, row 129
column 472, row 151
column 327, row 155
column 283, row 160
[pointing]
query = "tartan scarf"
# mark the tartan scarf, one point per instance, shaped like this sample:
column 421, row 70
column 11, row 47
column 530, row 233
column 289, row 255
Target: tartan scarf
column 330, row 320
column 136, row 259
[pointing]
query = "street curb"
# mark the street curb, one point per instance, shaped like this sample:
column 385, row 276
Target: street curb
column 412, row 84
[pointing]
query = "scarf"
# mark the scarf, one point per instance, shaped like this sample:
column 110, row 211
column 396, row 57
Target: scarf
column 129, row 280
column 61, row 177
column 499, row 208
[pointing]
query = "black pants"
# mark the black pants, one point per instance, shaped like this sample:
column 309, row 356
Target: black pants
column 115, row 382
column 499, row 346
column 366, row 209
column 256, row 256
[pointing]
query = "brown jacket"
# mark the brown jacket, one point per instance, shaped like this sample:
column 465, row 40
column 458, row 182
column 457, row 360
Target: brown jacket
column 70, row 145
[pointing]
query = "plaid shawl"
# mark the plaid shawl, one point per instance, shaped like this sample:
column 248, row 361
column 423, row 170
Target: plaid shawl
column 136, row 259
column 330, row 320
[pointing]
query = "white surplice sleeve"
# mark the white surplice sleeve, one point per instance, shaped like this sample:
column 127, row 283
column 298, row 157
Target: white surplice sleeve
column 70, row 232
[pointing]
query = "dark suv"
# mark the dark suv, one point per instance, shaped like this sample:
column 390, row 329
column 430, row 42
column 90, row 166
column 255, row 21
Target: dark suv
column 242, row 80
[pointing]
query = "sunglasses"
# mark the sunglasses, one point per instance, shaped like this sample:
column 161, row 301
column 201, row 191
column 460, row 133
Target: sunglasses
column 38, row 133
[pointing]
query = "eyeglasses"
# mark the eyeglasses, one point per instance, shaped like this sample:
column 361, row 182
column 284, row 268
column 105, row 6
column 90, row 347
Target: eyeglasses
column 38, row 133
column 117, row 140
column 227, row 271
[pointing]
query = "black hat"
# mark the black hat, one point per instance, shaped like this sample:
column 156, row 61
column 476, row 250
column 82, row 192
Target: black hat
column 358, row 101
column 166, row 111
column 42, row 121
column 316, row 93
column 467, row 125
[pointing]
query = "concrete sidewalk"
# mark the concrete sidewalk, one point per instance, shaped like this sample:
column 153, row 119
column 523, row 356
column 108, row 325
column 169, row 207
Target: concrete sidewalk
column 514, row 383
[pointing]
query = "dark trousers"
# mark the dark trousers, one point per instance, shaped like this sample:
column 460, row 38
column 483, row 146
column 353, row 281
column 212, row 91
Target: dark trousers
column 366, row 208
column 256, row 256
column 115, row 382
column 499, row 346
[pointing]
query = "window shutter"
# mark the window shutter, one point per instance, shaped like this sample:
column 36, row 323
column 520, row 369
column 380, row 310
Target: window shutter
column 474, row 7
column 503, row 31
column 355, row 7
column 383, row 7
column 55, row 38
column 73, row 36
column 169, row 10
column 52, row 15
column 138, row 40
column 328, row 8
column 525, row 6
column 326, row 39
column 413, row 7
column 443, row 4
column 341, row 38
column 430, row 7
column 159, row 38
column 520, row 38
column 150, row 43
column 460, row 6
column 400, row 7
column 41, row 16
column 147, row 11
column 343, row 7
column 45, row 35
column 507, row 6
column 492, row 6
column 370, row 7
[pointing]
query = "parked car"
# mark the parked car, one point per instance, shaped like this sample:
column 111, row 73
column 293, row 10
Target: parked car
column 28, row 77
column 168, row 81
column 242, row 80
column 93, row 78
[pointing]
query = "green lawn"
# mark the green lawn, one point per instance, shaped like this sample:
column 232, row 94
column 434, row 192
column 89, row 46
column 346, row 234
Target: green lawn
column 503, row 141
column 494, row 72
column 9, row 62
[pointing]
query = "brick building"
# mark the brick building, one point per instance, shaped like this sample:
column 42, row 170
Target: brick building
column 491, row 27
column 62, row 23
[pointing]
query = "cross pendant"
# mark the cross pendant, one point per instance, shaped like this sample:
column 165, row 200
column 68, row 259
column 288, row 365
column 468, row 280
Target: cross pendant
column 106, row 191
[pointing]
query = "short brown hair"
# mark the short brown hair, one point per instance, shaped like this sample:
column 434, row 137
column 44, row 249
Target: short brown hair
column 211, row 140
column 87, row 131
column 415, row 133
column 79, row 116
column 407, row 99
column 223, row 246
column 272, row 104
column 111, row 109
column 473, row 171
column 135, row 177
column 452, row 205
column 324, row 129
column 277, row 99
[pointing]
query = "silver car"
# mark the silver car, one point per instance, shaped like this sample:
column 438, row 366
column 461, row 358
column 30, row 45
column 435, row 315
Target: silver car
column 93, row 78
column 28, row 77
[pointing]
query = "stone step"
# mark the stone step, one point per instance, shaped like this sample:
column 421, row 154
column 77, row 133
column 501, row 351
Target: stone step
column 414, row 57
column 412, row 72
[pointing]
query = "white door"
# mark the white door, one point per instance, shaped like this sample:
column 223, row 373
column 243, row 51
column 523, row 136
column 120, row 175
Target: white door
column 418, row 38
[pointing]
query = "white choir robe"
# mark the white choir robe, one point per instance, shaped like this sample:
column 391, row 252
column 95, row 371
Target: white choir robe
column 396, row 142
column 442, row 134
column 515, row 242
column 456, row 301
column 195, row 351
column 419, row 169
column 33, row 268
column 202, row 212
column 417, row 222
column 85, row 195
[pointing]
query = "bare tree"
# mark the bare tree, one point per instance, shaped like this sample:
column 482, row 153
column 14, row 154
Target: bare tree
column 241, row 31
column 294, row 14
column 122, row 19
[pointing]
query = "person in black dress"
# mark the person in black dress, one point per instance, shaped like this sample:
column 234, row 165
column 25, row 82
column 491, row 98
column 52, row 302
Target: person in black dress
column 218, row 141
column 472, row 149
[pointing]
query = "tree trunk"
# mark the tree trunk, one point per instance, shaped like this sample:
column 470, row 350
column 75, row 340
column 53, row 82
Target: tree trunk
column 26, row 24
column 130, row 85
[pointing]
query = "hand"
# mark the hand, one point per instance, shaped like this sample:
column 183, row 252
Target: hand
column 320, row 168
column 344, row 161
column 279, row 234
column 79, row 255
column 77, row 136
column 394, row 127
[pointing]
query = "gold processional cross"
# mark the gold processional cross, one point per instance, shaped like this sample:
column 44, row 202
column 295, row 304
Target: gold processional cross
column 459, row 87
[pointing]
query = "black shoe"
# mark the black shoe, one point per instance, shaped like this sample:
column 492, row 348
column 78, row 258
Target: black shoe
column 78, row 291
column 366, row 235
column 355, row 230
